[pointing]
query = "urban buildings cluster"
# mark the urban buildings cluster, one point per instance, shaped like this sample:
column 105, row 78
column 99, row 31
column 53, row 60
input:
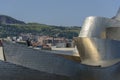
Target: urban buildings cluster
column 42, row 41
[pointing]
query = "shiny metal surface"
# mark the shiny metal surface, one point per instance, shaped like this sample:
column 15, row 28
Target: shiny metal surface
column 99, row 41
column 98, row 45
column 94, row 51
column 99, row 73
column 53, row 64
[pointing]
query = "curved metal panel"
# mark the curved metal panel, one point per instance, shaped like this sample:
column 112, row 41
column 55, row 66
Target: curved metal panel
column 98, row 42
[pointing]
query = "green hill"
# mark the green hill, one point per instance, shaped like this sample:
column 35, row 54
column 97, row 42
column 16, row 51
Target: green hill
column 12, row 27
column 9, row 20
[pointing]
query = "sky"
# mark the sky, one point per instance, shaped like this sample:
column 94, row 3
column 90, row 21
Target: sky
column 58, row 12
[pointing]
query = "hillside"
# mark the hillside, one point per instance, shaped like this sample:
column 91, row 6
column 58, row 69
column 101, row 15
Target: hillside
column 12, row 27
column 9, row 20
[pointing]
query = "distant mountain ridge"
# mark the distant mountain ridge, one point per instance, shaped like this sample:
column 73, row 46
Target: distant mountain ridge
column 13, row 27
column 9, row 20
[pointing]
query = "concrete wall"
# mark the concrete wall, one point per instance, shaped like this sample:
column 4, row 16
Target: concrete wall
column 1, row 54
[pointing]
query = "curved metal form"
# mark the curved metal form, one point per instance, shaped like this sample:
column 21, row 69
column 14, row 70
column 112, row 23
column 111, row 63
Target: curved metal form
column 99, row 41
column 98, row 45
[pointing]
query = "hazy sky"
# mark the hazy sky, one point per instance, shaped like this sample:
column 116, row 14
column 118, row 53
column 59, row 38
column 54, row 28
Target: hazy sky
column 58, row 12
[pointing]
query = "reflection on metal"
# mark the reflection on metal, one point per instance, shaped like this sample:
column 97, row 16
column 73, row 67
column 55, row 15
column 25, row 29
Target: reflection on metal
column 98, row 45
column 99, row 41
